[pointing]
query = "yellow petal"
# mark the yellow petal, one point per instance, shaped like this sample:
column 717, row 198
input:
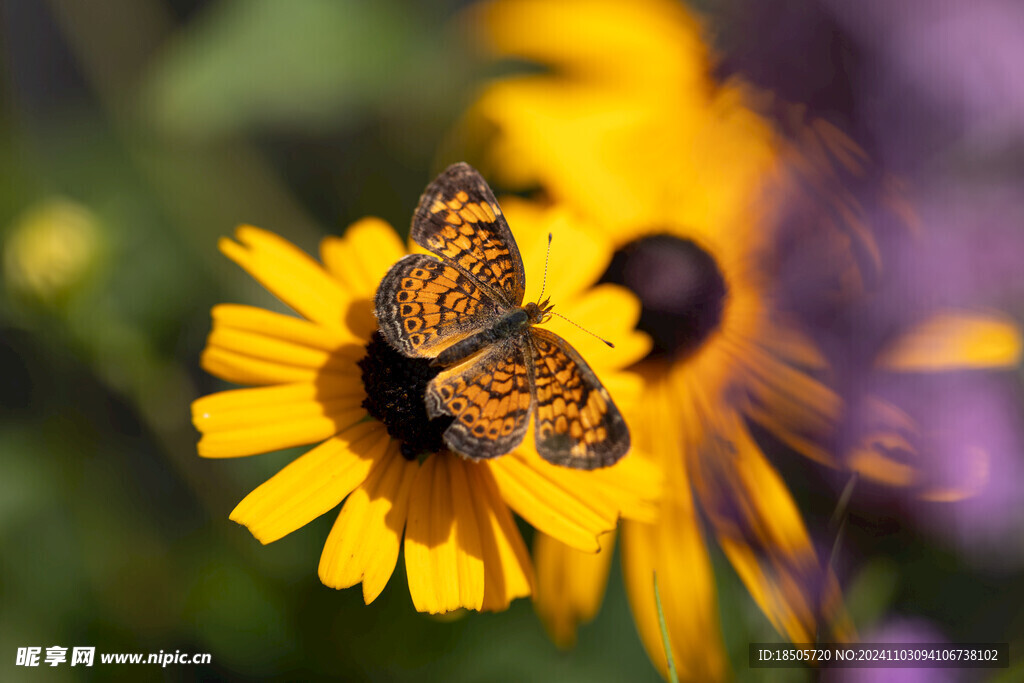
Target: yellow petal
column 891, row 449
column 872, row 458
column 570, row 585
column 601, row 39
column 610, row 312
column 508, row 573
column 312, row 484
column 886, row 451
column 955, row 340
column 576, row 135
column 761, row 531
column 364, row 541
column 362, row 256
column 259, row 345
column 670, row 429
column 235, row 408
column 290, row 274
column 443, row 550
column 577, row 258
column 626, row 389
column 789, row 342
column 543, row 496
column 796, row 408
column 674, row 550
column 248, row 421
column 243, row 422
column 632, row 486
column 253, row 346
column 789, row 596
column 243, row 369
column 278, row 326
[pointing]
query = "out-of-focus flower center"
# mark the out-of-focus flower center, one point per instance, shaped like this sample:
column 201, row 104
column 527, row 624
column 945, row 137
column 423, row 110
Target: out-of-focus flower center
column 394, row 395
column 680, row 288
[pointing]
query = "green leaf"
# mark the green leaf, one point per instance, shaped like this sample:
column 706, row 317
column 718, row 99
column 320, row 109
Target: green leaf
column 247, row 63
column 871, row 592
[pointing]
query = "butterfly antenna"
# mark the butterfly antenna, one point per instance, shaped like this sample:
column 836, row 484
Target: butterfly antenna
column 610, row 345
column 543, row 286
column 544, row 282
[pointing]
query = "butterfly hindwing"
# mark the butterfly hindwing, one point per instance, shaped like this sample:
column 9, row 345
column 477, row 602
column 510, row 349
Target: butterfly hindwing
column 489, row 396
column 459, row 219
column 576, row 422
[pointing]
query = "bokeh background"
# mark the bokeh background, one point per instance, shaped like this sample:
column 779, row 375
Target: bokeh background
column 135, row 133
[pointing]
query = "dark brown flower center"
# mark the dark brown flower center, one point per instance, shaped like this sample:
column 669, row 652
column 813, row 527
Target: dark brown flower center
column 395, row 386
column 680, row 288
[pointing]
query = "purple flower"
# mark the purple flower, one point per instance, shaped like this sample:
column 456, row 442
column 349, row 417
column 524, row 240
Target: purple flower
column 939, row 72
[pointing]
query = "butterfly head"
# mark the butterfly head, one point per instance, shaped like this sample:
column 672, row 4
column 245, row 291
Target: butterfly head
column 539, row 312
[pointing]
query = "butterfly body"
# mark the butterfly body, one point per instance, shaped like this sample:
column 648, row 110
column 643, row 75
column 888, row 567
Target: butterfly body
column 462, row 308
column 510, row 324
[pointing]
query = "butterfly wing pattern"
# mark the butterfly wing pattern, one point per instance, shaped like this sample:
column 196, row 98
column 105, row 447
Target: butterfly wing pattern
column 459, row 219
column 576, row 423
column 490, row 397
column 463, row 308
column 425, row 305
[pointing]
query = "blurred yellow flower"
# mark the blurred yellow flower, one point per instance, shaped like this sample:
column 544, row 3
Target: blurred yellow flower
column 627, row 96
column 51, row 249
column 625, row 124
column 328, row 377
column 627, row 127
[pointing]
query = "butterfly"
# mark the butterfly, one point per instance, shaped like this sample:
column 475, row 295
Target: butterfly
column 462, row 307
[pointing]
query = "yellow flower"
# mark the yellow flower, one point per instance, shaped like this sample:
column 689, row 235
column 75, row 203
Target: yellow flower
column 628, row 97
column 626, row 125
column 51, row 249
column 327, row 378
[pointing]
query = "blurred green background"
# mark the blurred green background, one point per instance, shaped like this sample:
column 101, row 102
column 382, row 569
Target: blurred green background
column 134, row 134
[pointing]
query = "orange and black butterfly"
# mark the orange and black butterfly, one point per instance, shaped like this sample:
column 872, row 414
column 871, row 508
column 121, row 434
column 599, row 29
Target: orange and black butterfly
column 462, row 307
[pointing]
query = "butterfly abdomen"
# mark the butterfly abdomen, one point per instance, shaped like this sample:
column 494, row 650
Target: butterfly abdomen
column 508, row 325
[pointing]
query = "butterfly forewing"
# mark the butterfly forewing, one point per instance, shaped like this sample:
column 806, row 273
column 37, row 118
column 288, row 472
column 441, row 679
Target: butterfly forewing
column 576, row 422
column 425, row 305
column 459, row 219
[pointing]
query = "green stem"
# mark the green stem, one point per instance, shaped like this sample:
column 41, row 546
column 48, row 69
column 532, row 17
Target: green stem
column 672, row 675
